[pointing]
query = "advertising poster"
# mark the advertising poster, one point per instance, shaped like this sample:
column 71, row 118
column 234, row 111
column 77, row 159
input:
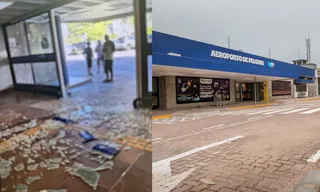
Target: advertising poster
column 280, row 88
column 206, row 89
column 222, row 86
column 187, row 89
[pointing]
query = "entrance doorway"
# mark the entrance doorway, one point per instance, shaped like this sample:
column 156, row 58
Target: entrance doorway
column 245, row 91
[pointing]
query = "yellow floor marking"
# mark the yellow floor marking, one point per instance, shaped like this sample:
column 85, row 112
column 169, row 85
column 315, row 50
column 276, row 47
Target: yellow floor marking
column 161, row 117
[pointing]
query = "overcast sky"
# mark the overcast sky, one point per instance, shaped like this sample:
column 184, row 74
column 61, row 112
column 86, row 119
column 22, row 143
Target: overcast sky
column 252, row 25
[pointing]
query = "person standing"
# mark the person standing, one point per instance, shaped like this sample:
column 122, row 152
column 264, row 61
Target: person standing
column 108, row 50
column 98, row 50
column 88, row 54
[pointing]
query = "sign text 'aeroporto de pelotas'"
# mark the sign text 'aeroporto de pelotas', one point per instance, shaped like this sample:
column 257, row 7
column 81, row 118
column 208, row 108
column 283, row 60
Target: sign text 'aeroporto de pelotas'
column 234, row 57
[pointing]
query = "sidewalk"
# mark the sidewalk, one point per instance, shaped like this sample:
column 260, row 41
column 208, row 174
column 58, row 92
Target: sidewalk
column 156, row 114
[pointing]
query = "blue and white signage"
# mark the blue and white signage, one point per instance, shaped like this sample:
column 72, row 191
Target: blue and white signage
column 233, row 57
column 270, row 64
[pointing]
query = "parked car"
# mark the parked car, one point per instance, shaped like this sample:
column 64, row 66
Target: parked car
column 125, row 43
column 150, row 38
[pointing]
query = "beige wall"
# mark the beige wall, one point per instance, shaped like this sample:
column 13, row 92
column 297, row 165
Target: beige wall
column 167, row 88
column 273, row 98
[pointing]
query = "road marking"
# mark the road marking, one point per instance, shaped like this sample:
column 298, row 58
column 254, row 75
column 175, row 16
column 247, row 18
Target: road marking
column 293, row 111
column 257, row 117
column 205, row 131
column 277, row 111
column 310, row 111
column 314, row 158
column 225, row 113
column 155, row 139
column 213, row 127
column 254, row 113
column 164, row 181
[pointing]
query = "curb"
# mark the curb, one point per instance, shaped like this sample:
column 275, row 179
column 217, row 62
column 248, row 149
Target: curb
column 308, row 99
column 252, row 106
column 161, row 117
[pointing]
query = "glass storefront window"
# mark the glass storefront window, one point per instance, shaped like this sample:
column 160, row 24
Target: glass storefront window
column 39, row 35
column 46, row 74
column 301, row 87
column 17, row 40
column 23, row 73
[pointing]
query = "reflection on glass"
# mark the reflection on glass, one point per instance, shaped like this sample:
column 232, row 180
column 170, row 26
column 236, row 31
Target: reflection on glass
column 23, row 73
column 39, row 35
column 46, row 73
column 17, row 40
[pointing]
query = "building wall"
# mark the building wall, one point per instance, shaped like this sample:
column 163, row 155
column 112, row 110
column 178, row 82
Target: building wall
column 167, row 88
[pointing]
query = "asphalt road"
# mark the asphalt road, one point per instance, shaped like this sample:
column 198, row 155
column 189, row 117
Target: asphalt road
column 271, row 148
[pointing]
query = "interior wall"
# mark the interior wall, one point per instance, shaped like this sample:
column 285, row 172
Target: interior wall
column 5, row 74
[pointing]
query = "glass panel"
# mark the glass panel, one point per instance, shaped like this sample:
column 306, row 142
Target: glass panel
column 23, row 73
column 5, row 78
column 46, row 74
column 17, row 40
column 39, row 35
column 149, row 26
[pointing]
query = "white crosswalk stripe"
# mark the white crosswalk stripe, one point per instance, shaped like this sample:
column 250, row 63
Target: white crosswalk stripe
column 310, row 111
column 258, row 112
column 277, row 111
column 294, row 111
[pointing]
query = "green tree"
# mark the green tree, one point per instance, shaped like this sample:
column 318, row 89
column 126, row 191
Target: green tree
column 92, row 31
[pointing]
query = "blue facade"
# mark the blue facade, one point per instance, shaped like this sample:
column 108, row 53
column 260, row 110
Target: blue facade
column 198, row 55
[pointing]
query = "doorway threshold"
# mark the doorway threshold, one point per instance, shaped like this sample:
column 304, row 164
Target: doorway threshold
column 77, row 81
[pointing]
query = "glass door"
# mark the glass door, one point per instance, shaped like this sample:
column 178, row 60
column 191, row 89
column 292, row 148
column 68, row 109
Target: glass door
column 32, row 56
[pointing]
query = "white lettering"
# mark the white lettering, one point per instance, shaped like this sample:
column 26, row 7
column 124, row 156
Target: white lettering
column 234, row 57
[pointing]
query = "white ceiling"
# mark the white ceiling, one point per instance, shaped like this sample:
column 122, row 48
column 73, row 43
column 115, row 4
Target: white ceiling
column 161, row 70
column 77, row 11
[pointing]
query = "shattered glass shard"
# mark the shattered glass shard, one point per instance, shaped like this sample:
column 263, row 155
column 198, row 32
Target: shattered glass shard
column 12, row 159
column 61, row 134
column 72, row 151
column 19, row 167
column 87, row 174
column 21, row 188
column 51, row 124
column 43, row 164
column 31, row 161
column 52, row 166
column 29, row 180
column 108, row 165
column 5, row 168
column 54, row 190
column 32, row 167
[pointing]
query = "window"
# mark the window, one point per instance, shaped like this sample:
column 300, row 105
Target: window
column 301, row 87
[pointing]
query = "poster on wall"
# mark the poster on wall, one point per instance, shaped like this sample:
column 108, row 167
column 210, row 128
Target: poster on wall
column 206, row 89
column 222, row 86
column 187, row 89
column 281, row 88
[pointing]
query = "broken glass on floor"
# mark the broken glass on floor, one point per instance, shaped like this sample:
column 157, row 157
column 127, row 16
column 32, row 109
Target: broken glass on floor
column 19, row 167
column 30, row 180
column 5, row 168
column 21, row 188
column 87, row 174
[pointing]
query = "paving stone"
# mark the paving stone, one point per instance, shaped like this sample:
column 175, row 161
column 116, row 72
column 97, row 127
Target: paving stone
column 207, row 181
column 276, row 164
column 217, row 186
column 270, row 169
column 225, row 189
column 284, row 168
column 202, row 186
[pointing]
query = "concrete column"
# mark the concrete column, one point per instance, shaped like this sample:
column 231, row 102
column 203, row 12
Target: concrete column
column 266, row 91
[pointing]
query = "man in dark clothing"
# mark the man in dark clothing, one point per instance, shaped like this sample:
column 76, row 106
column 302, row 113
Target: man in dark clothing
column 108, row 49
column 88, row 54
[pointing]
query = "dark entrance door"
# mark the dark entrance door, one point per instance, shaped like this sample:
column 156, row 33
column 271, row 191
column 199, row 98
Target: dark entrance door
column 32, row 55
